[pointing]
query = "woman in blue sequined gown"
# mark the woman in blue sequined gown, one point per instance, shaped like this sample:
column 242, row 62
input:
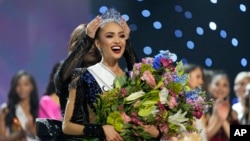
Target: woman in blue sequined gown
column 109, row 36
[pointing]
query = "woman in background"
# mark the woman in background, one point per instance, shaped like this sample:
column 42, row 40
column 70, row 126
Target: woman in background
column 240, row 82
column 17, row 119
column 195, row 80
column 221, row 114
column 246, row 116
column 49, row 106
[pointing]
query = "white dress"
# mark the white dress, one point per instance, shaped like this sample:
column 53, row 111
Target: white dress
column 239, row 110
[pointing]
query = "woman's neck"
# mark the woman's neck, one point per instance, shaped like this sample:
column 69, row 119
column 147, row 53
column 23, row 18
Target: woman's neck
column 25, row 103
column 113, row 66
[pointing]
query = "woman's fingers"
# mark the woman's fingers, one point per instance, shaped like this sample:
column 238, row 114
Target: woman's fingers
column 125, row 28
column 93, row 26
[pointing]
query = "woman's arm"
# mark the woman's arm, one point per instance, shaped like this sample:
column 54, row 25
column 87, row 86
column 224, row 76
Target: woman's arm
column 3, row 132
column 89, row 130
column 214, row 124
column 2, row 123
column 68, row 127
column 226, row 128
column 226, row 123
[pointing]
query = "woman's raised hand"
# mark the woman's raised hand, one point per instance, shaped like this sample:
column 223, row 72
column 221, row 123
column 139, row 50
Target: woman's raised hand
column 92, row 26
column 111, row 134
column 125, row 28
column 222, row 108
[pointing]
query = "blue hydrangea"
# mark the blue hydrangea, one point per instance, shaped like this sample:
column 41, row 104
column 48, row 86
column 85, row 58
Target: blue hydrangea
column 194, row 94
column 157, row 62
column 157, row 59
column 181, row 79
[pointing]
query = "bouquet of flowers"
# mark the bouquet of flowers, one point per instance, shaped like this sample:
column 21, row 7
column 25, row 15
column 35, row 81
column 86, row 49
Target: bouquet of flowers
column 155, row 93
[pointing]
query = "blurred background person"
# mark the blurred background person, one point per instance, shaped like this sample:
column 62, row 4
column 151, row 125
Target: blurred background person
column 207, row 76
column 245, row 120
column 17, row 118
column 195, row 73
column 49, row 106
column 221, row 115
column 240, row 82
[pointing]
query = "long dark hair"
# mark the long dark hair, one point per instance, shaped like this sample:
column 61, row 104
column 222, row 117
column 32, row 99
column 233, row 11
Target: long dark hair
column 51, row 86
column 13, row 98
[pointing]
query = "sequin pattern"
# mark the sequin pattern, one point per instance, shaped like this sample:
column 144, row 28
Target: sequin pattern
column 92, row 88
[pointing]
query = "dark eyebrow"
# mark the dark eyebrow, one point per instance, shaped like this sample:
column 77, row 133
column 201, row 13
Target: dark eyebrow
column 121, row 32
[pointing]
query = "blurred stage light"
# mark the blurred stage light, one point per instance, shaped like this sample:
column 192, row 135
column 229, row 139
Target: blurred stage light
column 243, row 8
column 190, row 44
column 208, row 62
column 214, row 1
column 223, row 34
column 199, row 31
column 145, row 13
column 147, row 50
column 133, row 27
column 188, row 15
column 178, row 8
column 157, row 25
column 102, row 9
column 126, row 17
column 184, row 60
column 234, row 42
column 212, row 26
column 244, row 62
column 178, row 33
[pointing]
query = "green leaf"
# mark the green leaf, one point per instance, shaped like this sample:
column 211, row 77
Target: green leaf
column 146, row 135
column 118, row 124
column 127, row 125
column 175, row 87
column 187, row 88
column 114, row 107
column 146, row 111
column 120, row 81
column 149, row 102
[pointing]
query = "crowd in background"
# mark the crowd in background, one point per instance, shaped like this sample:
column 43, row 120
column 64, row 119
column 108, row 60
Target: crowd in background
column 18, row 114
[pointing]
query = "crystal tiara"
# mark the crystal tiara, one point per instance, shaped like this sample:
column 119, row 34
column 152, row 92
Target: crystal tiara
column 111, row 15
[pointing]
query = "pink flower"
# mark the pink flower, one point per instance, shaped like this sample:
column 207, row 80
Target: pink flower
column 198, row 114
column 148, row 77
column 135, row 120
column 172, row 102
column 164, row 62
column 148, row 60
column 124, row 92
column 131, row 74
column 164, row 128
column 125, row 117
column 134, row 114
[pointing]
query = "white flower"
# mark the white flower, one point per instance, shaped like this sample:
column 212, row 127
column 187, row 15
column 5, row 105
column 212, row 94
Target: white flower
column 154, row 111
column 135, row 95
column 178, row 119
column 163, row 94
